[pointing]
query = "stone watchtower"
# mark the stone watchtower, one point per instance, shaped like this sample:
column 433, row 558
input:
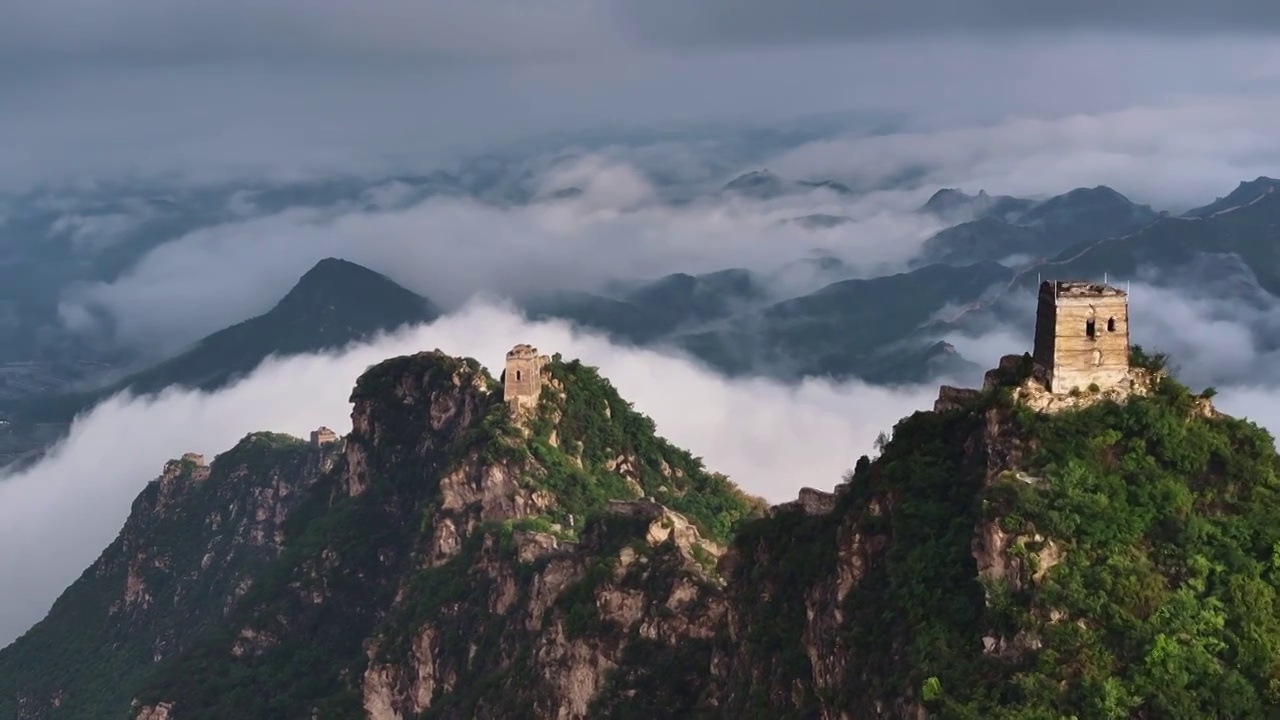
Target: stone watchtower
column 522, row 378
column 1082, row 335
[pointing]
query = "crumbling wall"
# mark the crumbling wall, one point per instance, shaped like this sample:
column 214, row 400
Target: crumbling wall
column 1082, row 336
column 1091, row 342
column 522, row 379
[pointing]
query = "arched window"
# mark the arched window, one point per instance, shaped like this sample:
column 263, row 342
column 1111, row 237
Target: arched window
column 1089, row 328
column 1111, row 324
column 517, row 376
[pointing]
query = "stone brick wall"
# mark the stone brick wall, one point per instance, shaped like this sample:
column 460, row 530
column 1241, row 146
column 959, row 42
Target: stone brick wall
column 1085, row 352
column 322, row 436
column 522, row 378
column 1085, row 332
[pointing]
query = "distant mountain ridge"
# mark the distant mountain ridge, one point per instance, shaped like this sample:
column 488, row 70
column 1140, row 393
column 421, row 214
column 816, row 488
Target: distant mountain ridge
column 765, row 185
column 954, row 203
column 1246, row 192
column 1006, row 227
column 886, row 329
column 333, row 304
column 1010, row 554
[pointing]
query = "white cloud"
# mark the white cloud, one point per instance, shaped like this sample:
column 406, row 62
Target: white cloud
column 1220, row 341
column 449, row 249
column 1178, row 153
column 770, row 438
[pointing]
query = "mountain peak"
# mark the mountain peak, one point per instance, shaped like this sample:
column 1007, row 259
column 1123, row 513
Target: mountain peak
column 946, row 200
column 953, row 203
column 338, row 279
column 1097, row 194
column 762, row 183
column 1247, row 192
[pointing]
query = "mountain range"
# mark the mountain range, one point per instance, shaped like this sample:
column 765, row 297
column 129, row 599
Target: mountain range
column 461, row 556
column 887, row 329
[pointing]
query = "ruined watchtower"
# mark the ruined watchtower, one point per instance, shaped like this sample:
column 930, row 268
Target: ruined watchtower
column 1082, row 335
column 522, row 379
column 322, row 436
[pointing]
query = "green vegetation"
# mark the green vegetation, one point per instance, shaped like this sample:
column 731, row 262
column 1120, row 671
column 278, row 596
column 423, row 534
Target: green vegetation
column 1137, row 543
column 596, row 433
column 1168, row 525
column 358, row 553
column 92, row 651
column 1150, row 541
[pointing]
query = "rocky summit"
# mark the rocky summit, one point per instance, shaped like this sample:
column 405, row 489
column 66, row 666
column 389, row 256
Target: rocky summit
column 460, row 554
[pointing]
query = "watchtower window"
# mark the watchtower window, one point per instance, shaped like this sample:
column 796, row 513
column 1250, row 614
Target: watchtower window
column 517, row 376
column 1089, row 328
column 1111, row 324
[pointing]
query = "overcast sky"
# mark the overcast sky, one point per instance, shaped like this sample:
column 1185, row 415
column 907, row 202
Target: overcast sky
column 91, row 88
column 441, row 31
column 1172, row 103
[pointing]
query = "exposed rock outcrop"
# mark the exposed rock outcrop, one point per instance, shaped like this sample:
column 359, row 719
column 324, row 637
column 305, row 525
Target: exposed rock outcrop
column 453, row 559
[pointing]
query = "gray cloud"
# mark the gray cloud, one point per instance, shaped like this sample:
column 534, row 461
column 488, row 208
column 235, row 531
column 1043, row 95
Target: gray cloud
column 770, row 438
column 233, row 118
column 451, row 249
column 1176, row 154
column 764, row 21
column 439, row 31
column 447, row 31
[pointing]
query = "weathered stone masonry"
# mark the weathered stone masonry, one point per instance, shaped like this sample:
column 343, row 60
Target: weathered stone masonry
column 522, row 378
column 1082, row 335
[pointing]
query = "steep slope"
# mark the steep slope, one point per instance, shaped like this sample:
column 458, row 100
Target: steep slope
column 1112, row 560
column 334, row 303
column 1007, row 555
column 317, row 579
column 1107, row 555
column 197, row 539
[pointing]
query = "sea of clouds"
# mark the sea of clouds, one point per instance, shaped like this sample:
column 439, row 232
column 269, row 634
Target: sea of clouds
column 770, row 438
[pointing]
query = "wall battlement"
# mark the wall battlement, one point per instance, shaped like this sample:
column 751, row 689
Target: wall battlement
column 1082, row 335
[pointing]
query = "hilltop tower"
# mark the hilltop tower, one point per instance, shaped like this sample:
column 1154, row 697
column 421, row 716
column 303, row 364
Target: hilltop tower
column 1082, row 335
column 322, row 436
column 522, row 379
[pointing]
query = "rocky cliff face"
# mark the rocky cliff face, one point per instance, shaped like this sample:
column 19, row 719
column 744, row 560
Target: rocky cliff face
column 198, row 538
column 447, row 560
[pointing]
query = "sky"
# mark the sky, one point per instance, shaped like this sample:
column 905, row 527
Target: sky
column 243, row 88
column 769, row 438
